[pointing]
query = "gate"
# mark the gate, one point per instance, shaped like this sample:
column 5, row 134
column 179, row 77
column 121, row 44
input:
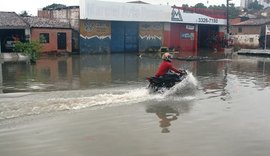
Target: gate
column 124, row 37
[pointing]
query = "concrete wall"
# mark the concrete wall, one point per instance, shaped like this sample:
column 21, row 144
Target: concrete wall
column 246, row 41
column 52, row 45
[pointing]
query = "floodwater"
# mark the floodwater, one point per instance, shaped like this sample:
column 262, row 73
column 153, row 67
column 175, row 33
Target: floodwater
column 99, row 105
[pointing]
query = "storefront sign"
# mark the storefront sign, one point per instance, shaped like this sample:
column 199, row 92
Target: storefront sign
column 179, row 16
column 207, row 20
column 116, row 11
column 176, row 15
column 187, row 36
column 190, row 27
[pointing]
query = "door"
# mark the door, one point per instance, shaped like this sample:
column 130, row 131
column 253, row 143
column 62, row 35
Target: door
column 61, row 41
column 131, row 37
column 117, row 41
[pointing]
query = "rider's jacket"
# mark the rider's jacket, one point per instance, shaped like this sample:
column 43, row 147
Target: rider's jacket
column 164, row 67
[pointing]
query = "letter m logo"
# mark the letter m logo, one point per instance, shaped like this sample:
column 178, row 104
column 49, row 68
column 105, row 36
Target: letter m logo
column 176, row 15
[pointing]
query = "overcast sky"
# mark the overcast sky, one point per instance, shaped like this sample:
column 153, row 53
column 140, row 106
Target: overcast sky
column 31, row 6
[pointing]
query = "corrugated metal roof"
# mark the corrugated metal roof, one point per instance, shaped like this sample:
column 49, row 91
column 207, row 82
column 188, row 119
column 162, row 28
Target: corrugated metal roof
column 10, row 20
column 253, row 22
column 39, row 22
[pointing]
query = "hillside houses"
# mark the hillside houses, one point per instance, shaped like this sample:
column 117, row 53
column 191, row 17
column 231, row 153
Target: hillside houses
column 250, row 32
column 246, row 34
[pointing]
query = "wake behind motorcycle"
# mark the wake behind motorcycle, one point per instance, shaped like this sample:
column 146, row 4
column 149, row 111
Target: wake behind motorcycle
column 157, row 84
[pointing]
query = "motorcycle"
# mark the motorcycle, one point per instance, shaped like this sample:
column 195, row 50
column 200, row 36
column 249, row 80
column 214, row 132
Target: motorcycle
column 157, row 84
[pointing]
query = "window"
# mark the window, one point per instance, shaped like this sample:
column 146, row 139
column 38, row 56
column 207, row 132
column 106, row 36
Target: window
column 44, row 38
column 240, row 29
column 251, row 40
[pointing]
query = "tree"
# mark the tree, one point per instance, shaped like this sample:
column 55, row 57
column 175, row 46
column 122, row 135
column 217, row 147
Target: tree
column 24, row 14
column 233, row 11
column 54, row 6
column 31, row 49
column 255, row 5
column 217, row 7
column 185, row 5
column 200, row 5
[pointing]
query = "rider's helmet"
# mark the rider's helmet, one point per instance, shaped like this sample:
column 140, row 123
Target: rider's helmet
column 167, row 57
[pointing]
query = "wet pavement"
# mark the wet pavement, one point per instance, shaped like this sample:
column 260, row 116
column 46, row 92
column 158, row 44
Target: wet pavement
column 99, row 105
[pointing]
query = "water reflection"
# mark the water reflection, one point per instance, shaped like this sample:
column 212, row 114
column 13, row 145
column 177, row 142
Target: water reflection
column 92, row 71
column 252, row 71
column 76, row 72
column 168, row 112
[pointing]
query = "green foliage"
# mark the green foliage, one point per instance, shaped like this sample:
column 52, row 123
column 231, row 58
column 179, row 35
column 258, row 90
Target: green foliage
column 217, row 7
column 24, row 14
column 185, row 5
column 233, row 11
column 31, row 49
column 200, row 5
column 255, row 5
column 54, row 6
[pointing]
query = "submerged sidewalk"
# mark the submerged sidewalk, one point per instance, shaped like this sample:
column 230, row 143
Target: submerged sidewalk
column 13, row 57
column 255, row 52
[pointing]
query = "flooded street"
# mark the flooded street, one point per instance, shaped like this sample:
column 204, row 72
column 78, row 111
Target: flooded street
column 99, row 105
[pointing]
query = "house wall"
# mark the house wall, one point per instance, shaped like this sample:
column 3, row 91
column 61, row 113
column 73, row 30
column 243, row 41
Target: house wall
column 240, row 30
column 96, row 36
column 52, row 45
column 150, row 35
column 246, row 36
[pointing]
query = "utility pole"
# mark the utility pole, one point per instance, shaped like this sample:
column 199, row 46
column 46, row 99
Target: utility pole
column 228, row 24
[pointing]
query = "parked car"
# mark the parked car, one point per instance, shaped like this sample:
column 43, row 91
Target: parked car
column 9, row 44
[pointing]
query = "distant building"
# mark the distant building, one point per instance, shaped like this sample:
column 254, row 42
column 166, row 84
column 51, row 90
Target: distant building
column 247, row 34
column 112, row 27
column 12, row 28
column 55, row 36
column 71, row 15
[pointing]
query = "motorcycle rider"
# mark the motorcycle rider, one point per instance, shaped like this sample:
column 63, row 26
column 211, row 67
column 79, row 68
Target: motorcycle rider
column 166, row 66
